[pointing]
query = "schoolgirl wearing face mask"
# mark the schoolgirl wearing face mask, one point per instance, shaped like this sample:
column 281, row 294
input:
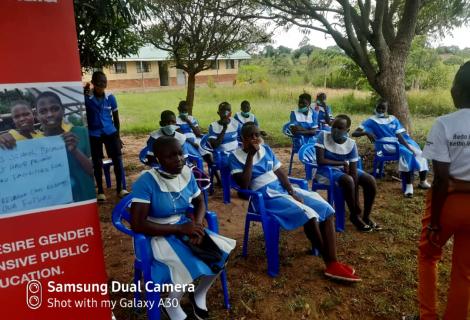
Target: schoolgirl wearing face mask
column 168, row 128
column 386, row 127
column 336, row 150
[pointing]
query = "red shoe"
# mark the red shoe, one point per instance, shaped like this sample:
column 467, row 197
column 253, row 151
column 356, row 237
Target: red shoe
column 348, row 268
column 336, row 271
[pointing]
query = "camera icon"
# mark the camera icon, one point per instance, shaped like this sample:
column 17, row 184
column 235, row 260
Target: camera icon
column 33, row 294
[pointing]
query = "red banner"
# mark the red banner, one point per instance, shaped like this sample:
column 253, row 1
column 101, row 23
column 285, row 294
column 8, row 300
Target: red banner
column 51, row 256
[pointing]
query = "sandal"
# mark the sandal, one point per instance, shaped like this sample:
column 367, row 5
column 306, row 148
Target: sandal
column 360, row 225
column 373, row 224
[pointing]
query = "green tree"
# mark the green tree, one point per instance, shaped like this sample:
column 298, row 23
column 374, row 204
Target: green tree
column 106, row 29
column 360, row 27
column 195, row 32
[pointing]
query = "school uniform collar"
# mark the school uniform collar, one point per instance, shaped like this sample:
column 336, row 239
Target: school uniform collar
column 176, row 184
column 231, row 127
column 242, row 155
column 301, row 117
column 159, row 133
column 385, row 120
column 338, row 148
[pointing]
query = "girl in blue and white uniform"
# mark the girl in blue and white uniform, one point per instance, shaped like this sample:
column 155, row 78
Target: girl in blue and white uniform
column 161, row 199
column 168, row 129
column 325, row 115
column 245, row 115
column 304, row 120
column 388, row 128
column 255, row 167
column 224, row 133
column 189, row 126
column 339, row 152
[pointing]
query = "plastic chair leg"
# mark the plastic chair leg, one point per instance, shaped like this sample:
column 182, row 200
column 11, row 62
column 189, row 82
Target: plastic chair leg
column 137, row 278
column 212, row 223
column 271, row 237
column 246, row 236
column 290, row 162
column 403, row 182
column 375, row 168
column 340, row 211
column 225, row 176
column 223, row 280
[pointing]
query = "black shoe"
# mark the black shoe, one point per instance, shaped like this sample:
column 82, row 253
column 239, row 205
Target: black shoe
column 360, row 225
column 373, row 224
column 199, row 313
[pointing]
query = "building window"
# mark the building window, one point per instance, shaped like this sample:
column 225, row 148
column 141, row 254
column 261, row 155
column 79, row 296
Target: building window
column 120, row 67
column 143, row 66
column 214, row 64
column 230, row 64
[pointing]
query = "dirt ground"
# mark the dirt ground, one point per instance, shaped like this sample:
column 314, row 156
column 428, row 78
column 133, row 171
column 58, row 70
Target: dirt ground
column 386, row 260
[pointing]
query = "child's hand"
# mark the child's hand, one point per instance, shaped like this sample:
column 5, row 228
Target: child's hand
column 253, row 148
column 71, row 141
column 192, row 230
column 346, row 166
column 86, row 89
column 7, row 141
column 297, row 197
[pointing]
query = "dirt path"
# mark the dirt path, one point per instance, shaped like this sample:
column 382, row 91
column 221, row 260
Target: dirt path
column 386, row 260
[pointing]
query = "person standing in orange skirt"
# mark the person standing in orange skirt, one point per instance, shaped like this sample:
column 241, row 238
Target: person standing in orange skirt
column 447, row 212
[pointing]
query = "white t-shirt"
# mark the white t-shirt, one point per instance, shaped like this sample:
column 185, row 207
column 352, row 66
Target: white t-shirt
column 449, row 141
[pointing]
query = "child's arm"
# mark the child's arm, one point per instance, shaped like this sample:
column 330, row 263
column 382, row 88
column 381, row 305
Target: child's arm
column 215, row 143
column 71, row 142
column 404, row 142
column 282, row 176
column 140, row 224
column 243, row 179
column 359, row 132
column 7, row 141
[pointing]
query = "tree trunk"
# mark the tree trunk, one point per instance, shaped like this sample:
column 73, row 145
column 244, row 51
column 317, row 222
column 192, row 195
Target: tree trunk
column 190, row 92
column 391, row 87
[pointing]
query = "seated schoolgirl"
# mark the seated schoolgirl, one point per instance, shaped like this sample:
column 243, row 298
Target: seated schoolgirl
column 224, row 133
column 245, row 115
column 161, row 199
column 168, row 129
column 189, row 126
column 324, row 112
column 388, row 128
column 304, row 119
column 254, row 166
column 336, row 150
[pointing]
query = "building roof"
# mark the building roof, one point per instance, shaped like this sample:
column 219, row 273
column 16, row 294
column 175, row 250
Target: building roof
column 150, row 53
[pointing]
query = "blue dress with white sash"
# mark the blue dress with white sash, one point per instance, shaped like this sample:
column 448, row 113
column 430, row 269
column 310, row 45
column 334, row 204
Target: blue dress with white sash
column 186, row 129
column 386, row 129
column 346, row 151
column 306, row 121
column 289, row 212
column 323, row 114
column 251, row 118
column 187, row 148
column 230, row 140
column 169, row 201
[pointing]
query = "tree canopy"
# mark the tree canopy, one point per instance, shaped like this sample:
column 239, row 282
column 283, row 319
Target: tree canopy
column 376, row 35
column 196, row 32
column 106, row 29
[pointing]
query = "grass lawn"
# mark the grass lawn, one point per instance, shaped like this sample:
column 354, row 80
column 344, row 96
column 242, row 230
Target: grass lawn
column 140, row 111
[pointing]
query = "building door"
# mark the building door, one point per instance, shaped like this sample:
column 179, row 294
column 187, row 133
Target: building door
column 163, row 73
column 180, row 77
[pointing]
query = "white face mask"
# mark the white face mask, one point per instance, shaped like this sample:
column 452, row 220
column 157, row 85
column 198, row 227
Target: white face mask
column 169, row 130
column 380, row 115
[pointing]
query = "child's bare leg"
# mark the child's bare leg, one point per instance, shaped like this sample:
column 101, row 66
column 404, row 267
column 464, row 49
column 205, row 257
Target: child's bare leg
column 369, row 187
column 322, row 236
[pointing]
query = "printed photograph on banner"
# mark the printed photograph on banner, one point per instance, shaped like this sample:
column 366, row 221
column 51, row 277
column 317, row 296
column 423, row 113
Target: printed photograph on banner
column 45, row 157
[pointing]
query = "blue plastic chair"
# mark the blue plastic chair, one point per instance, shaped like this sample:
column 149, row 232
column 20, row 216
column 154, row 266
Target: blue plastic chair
column 107, row 164
column 145, row 265
column 218, row 166
column 297, row 142
column 383, row 155
column 271, row 229
column 335, row 196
